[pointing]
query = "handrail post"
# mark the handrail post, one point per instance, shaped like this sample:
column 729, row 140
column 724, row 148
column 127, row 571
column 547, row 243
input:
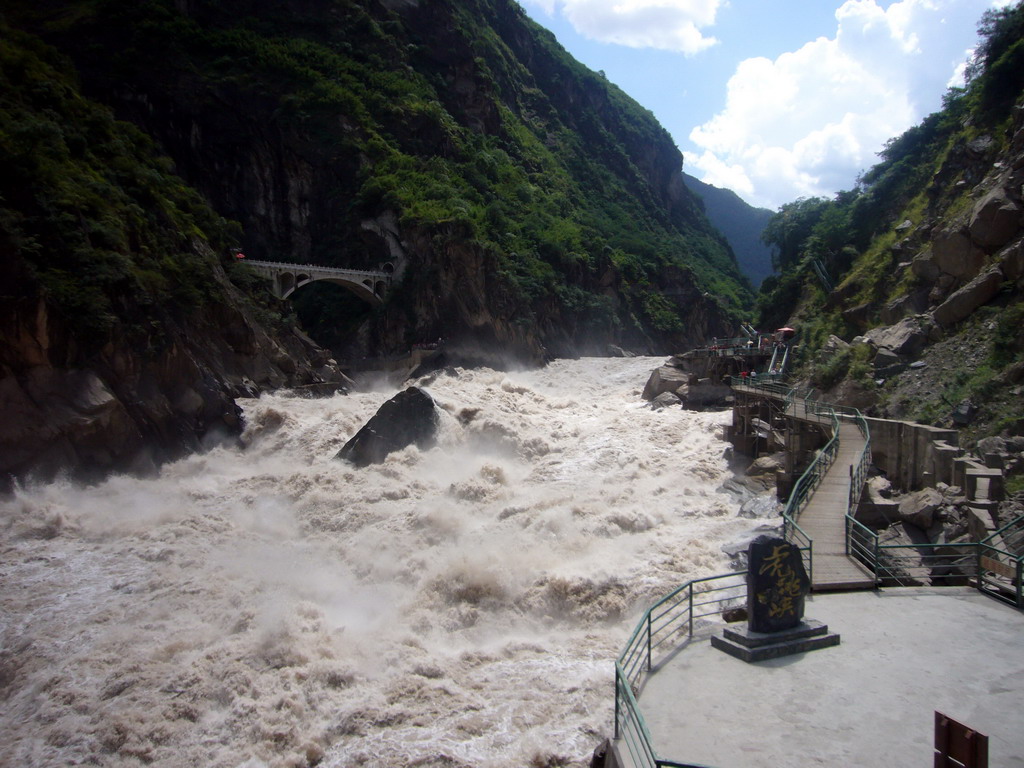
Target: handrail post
column 1020, row 587
column 691, row 608
column 648, row 641
column 616, row 730
column 979, row 577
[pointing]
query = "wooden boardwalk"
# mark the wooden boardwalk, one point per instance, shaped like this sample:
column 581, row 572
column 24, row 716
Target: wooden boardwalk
column 824, row 520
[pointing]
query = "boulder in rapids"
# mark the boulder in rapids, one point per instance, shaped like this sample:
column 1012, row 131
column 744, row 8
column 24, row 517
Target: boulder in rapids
column 665, row 400
column 667, row 378
column 409, row 417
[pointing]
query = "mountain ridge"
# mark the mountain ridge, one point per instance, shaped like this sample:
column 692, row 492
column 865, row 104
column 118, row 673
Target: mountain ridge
column 452, row 108
column 742, row 225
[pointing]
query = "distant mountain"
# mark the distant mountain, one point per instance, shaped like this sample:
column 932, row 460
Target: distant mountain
column 741, row 224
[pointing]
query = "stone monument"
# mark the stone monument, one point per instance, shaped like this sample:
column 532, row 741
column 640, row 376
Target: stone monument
column 777, row 584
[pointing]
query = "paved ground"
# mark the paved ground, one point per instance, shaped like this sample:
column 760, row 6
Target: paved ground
column 867, row 702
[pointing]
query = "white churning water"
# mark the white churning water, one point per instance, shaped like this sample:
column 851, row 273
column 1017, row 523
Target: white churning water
column 460, row 606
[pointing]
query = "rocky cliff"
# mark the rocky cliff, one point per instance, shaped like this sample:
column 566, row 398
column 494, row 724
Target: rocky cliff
column 124, row 340
column 908, row 291
column 124, row 408
column 530, row 206
column 948, row 348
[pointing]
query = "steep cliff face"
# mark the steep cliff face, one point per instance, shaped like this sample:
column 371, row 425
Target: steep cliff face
column 528, row 206
column 510, row 177
column 124, row 342
column 948, row 347
column 121, row 408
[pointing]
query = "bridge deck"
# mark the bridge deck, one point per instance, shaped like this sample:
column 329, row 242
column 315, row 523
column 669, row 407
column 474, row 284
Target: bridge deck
column 273, row 267
column 368, row 284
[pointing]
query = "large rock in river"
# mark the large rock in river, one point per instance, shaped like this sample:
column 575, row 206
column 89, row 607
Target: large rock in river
column 409, row 417
column 667, row 378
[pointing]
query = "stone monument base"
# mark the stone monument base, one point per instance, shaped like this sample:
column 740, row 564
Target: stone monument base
column 745, row 644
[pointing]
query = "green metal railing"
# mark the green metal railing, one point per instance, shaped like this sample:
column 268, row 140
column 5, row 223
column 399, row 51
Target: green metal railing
column 912, row 565
column 862, row 544
column 663, row 628
column 802, row 404
column 994, row 565
column 860, row 471
column 773, row 388
column 736, row 341
column 669, row 624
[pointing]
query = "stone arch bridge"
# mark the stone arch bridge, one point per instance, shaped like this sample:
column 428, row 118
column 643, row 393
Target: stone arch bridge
column 370, row 285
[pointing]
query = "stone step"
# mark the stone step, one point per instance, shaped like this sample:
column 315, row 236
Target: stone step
column 749, row 646
column 751, row 639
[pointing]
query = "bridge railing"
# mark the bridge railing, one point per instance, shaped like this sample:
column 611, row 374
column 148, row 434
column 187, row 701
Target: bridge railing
column 911, row 565
column 801, row 494
column 994, row 566
column 257, row 263
column 862, row 544
column 772, row 388
column 663, row 628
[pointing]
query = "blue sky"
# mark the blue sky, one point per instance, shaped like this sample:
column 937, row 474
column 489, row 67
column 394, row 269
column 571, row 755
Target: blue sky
column 774, row 99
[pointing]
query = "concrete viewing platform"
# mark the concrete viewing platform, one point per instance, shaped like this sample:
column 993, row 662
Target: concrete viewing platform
column 869, row 701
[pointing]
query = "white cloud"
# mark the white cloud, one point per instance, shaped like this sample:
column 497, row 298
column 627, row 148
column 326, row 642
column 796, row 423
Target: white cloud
column 672, row 25
column 808, row 122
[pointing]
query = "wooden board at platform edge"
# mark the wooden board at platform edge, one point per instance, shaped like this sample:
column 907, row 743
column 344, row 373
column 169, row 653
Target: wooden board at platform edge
column 1005, row 570
column 843, row 573
column 958, row 745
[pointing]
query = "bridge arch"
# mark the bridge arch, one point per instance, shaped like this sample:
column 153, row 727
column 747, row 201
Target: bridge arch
column 370, row 285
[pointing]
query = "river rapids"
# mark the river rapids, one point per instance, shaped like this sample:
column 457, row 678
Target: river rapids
column 266, row 604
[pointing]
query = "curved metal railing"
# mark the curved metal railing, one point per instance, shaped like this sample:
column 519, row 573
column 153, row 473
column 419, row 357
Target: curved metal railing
column 670, row 622
column 663, row 628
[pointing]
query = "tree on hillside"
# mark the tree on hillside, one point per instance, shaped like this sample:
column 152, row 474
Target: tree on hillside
column 787, row 232
column 997, row 68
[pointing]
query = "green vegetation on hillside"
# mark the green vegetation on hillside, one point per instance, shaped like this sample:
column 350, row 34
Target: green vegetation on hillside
column 93, row 218
column 850, row 237
column 850, row 264
column 536, row 167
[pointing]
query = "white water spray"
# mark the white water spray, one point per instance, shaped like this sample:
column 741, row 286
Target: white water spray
column 460, row 606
